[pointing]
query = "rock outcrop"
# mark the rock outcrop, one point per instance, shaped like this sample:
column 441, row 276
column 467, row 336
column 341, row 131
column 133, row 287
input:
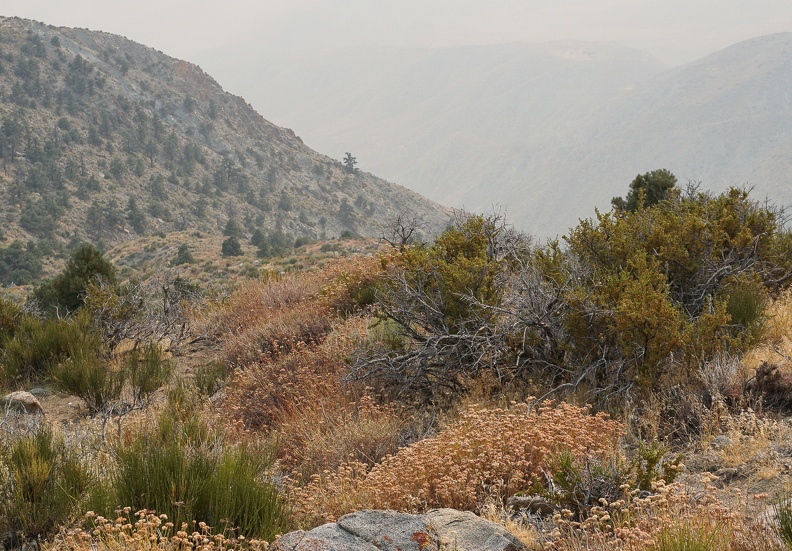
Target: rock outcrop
column 438, row 529
column 21, row 402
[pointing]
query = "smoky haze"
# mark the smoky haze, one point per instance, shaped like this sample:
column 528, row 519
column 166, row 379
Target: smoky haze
column 538, row 105
column 212, row 33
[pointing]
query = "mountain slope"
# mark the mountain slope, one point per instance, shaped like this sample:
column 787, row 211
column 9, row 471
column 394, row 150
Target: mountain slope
column 722, row 120
column 460, row 124
column 102, row 138
column 546, row 131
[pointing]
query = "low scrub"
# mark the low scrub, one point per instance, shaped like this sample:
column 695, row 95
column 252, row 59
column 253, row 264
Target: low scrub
column 146, row 529
column 42, row 484
column 484, row 455
column 148, row 370
column 37, row 346
column 280, row 334
column 327, row 433
column 673, row 517
column 88, row 375
column 633, row 302
column 265, row 393
column 272, row 317
column 182, row 469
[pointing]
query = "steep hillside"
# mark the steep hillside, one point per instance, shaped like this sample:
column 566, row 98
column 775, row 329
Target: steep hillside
column 103, row 139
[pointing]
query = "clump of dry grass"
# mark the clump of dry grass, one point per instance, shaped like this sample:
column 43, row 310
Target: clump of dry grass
column 324, row 434
column 266, row 393
column 751, row 437
column 484, row 455
column 255, row 302
column 519, row 525
column 318, row 421
column 674, row 517
column 273, row 317
column 286, row 330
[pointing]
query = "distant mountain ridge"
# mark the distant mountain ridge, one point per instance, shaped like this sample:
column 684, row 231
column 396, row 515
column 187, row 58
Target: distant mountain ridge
column 546, row 131
column 723, row 120
column 103, row 139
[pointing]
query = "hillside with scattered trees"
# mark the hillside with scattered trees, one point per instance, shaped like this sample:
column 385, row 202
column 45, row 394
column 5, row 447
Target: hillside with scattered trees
column 104, row 140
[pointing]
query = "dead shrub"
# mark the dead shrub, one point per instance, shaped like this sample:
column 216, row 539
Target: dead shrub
column 770, row 388
column 267, row 393
column 284, row 331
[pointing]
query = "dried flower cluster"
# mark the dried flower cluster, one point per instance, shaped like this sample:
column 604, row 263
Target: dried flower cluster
column 145, row 530
column 674, row 516
column 485, row 454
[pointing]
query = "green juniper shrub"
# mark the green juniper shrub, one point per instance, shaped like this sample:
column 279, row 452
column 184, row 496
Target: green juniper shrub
column 231, row 247
column 66, row 292
column 183, row 256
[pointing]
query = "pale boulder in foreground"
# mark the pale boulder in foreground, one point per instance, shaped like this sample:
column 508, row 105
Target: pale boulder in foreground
column 21, row 402
column 391, row 531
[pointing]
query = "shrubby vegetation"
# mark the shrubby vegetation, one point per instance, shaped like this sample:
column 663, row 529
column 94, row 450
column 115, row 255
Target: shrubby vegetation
column 66, row 292
column 444, row 374
column 633, row 302
column 42, row 481
column 19, row 264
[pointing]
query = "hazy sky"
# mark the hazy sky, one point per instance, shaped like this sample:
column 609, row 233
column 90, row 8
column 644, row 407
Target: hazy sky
column 676, row 31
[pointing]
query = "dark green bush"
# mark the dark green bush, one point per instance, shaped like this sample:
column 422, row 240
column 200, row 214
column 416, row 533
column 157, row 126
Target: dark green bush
column 87, row 375
column 183, row 256
column 66, row 292
column 38, row 346
column 19, row 264
column 231, row 247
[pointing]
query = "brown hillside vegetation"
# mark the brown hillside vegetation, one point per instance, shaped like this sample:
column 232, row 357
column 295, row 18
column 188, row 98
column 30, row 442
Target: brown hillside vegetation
column 589, row 395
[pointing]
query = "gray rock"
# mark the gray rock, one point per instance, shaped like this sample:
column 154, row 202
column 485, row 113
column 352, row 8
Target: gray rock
column 328, row 537
column 370, row 530
column 290, row 541
column 22, row 402
column 721, row 441
column 464, row 531
column 390, row 531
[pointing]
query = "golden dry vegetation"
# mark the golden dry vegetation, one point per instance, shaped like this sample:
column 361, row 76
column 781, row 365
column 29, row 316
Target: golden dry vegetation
column 265, row 384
